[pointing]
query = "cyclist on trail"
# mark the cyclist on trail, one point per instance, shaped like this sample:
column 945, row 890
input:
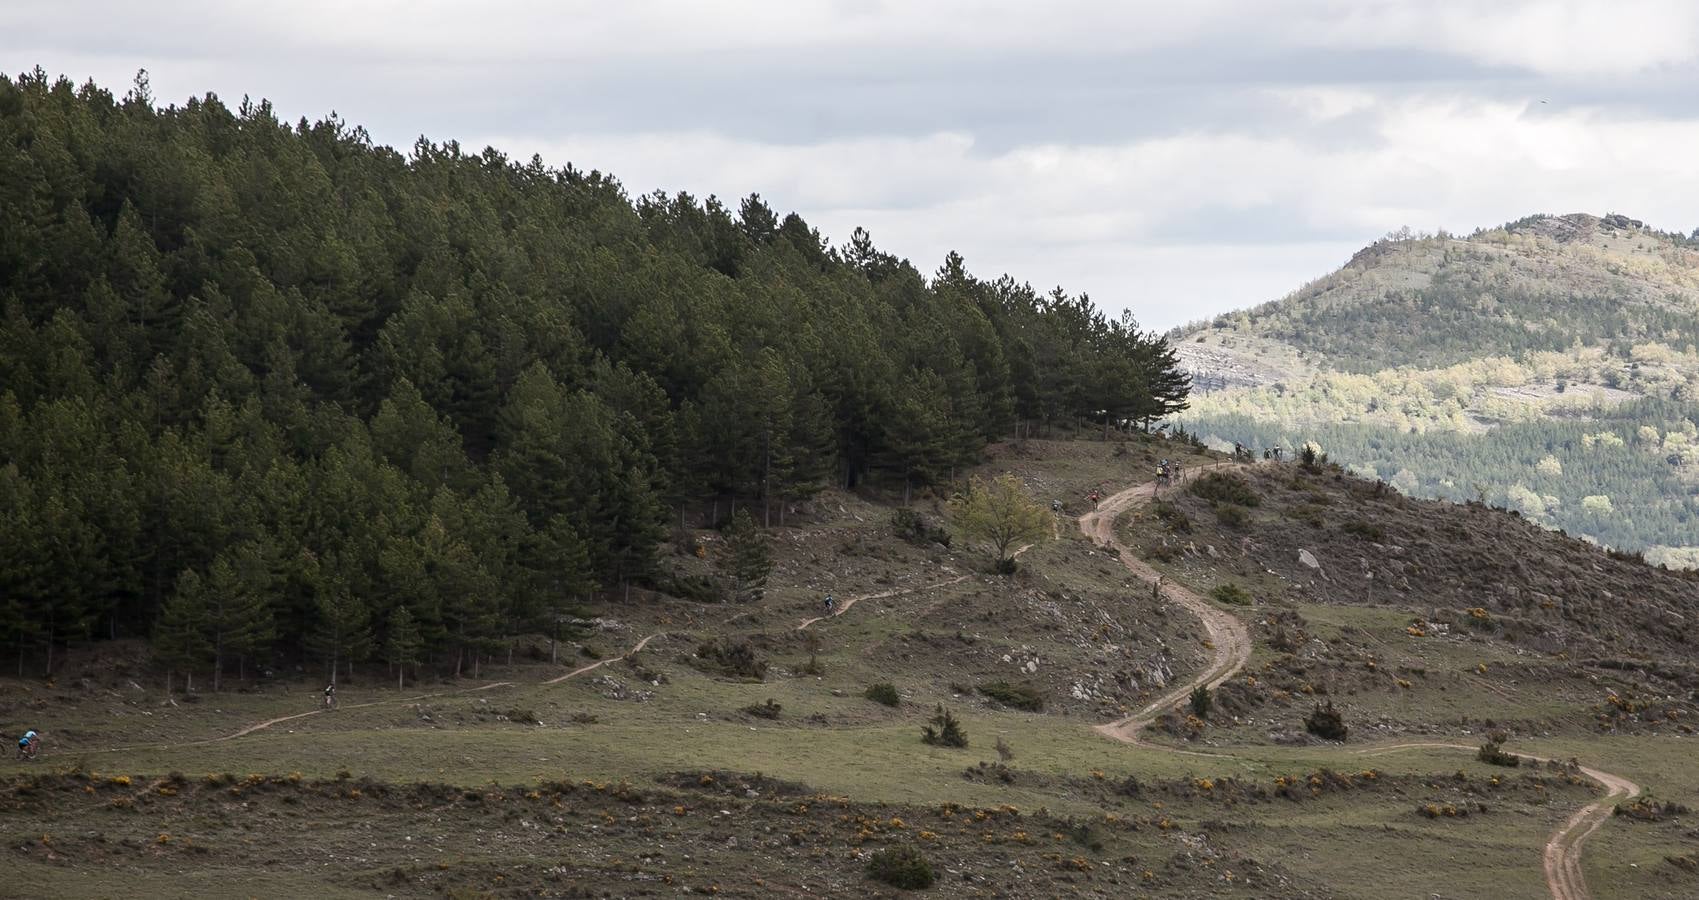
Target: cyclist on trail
column 1095, row 497
column 330, row 696
column 831, row 604
column 1055, row 506
column 26, row 744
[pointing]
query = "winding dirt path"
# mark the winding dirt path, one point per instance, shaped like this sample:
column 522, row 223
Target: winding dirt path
column 1231, row 643
column 1225, row 632
column 894, row 592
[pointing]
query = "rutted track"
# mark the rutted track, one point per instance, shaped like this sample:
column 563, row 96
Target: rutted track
column 1231, row 643
column 1225, row 632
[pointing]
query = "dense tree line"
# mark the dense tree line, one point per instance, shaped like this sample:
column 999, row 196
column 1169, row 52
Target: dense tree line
column 1610, row 476
column 273, row 386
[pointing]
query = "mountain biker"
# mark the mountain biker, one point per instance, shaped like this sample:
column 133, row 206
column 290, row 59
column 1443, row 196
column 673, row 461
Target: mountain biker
column 1095, row 497
column 26, row 744
column 330, row 696
column 1055, row 506
column 831, row 603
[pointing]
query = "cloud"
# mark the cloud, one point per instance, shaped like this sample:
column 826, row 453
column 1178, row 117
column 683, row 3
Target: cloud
column 1177, row 158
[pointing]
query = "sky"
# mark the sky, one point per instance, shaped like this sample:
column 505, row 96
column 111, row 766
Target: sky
column 1177, row 159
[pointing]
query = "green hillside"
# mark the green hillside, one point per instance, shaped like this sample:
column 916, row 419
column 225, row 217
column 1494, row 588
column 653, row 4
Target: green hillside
column 1548, row 366
column 267, row 387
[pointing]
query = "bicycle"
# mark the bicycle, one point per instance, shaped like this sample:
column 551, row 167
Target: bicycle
column 29, row 749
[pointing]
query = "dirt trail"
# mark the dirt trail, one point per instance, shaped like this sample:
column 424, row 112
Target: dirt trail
column 1226, row 633
column 880, row 596
column 261, row 726
column 1231, row 641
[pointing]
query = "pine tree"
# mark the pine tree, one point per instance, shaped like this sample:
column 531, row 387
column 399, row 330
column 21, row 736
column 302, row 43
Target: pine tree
column 179, row 637
column 343, row 634
column 404, row 643
column 747, row 560
column 238, row 607
column 559, row 564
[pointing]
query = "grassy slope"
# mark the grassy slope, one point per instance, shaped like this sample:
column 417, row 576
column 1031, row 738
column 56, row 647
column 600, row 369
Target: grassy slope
column 855, row 762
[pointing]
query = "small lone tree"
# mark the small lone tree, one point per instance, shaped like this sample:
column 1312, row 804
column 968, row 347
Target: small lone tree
column 948, row 731
column 1326, row 723
column 1201, row 701
column 747, row 561
column 1002, row 514
column 401, row 648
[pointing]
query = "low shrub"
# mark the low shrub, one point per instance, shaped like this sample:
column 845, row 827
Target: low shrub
column 884, row 692
column 696, row 588
column 1172, row 516
column 1308, row 513
column 1368, row 531
column 1232, row 515
column 902, row 867
column 1326, row 723
column 1016, row 696
column 768, row 710
column 1223, row 487
column 735, row 660
column 945, row 730
column 1492, row 752
column 1231, row 594
column 908, row 524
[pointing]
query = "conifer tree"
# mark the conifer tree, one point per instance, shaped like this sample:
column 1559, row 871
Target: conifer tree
column 179, row 636
column 343, row 635
column 403, row 645
column 747, row 560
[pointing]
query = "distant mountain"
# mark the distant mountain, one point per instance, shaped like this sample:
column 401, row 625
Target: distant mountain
column 1547, row 365
column 1540, row 283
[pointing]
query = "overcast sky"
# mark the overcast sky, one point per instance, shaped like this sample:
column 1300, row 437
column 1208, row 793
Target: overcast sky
column 1176, row 158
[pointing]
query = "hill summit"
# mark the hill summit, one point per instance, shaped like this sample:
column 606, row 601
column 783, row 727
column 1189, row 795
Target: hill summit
column 1547, row 365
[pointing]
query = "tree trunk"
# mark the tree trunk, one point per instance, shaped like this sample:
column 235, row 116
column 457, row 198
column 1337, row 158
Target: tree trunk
column 169, row 673
column 400, row 676
column 333, row 668
column 218, row 663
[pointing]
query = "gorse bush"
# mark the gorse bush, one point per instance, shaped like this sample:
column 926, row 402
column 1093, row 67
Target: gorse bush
column 901, row 866
column 1172, row 516
column 767, row 710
